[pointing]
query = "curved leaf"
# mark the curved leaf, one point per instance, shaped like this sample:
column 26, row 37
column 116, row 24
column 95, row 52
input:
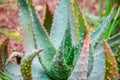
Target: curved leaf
column 98, row 71
column 73, row 32
column 25, row 17
column 118, row 59
column 97, row 35
column 114, row 40
column 43, row 41
column 80, row 22
column 40, row 38
column 111, row 64
column 26, row 64
column 90, row 60
column 60, row 22
column 59, row 67
column 63, row 60
column 4, row 76
column 10, row 35
column 81, row 68
column 13, row 70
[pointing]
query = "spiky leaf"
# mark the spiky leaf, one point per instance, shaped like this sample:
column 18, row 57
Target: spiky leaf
column 74, row 36
column 59, row 66
column 40, row 36
column 81, row 68
column 63, row 60
column 62, row 14
column 43, row 41
column 97, row 35
column 80, row 22
column 26, row 64
column 98, row 71
column 111, row 64
column 14, row 70
column 118, row 59
column 114, row 40
column 25, row 17
column 91, row 60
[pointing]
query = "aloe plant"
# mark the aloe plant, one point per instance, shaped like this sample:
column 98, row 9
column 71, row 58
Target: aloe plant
column 70, row 52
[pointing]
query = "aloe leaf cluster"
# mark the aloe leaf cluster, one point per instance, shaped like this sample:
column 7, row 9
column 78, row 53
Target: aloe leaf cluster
column 68, row 51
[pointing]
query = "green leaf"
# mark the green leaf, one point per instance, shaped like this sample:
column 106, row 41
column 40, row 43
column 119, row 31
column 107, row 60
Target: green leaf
column 98, row 71
column 13, row 70
column 39, row 40
column 60, row 23
column 109, row 6
column 114, row 40
column 91, row 60
column 4, row 76
column 73, row 32
column 81, row 68
column 111, row 64
column 29, row 39
column 63, row 60
column 59, row 66
column 43, row 41
column 97, row 35
column 67, row 47
column 11, row 35
column 80, row 22
column 115, row 48
column 26, row 64
column 2, row 0
column 100, row 8
column 48, row 18
column 77, row 51
column 113, row 25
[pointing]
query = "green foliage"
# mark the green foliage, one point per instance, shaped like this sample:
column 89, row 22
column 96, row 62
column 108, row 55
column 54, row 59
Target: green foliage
column 48, row 18
column 4, row 76
column 99, row 65
column 11, row 35
column 114, row 24
column 80, row 22
column 27, row 27
column 114, row 40
column 69, row 52
column 81, row 67
column 97, row 35
column 2, row 0
column 26, row 63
